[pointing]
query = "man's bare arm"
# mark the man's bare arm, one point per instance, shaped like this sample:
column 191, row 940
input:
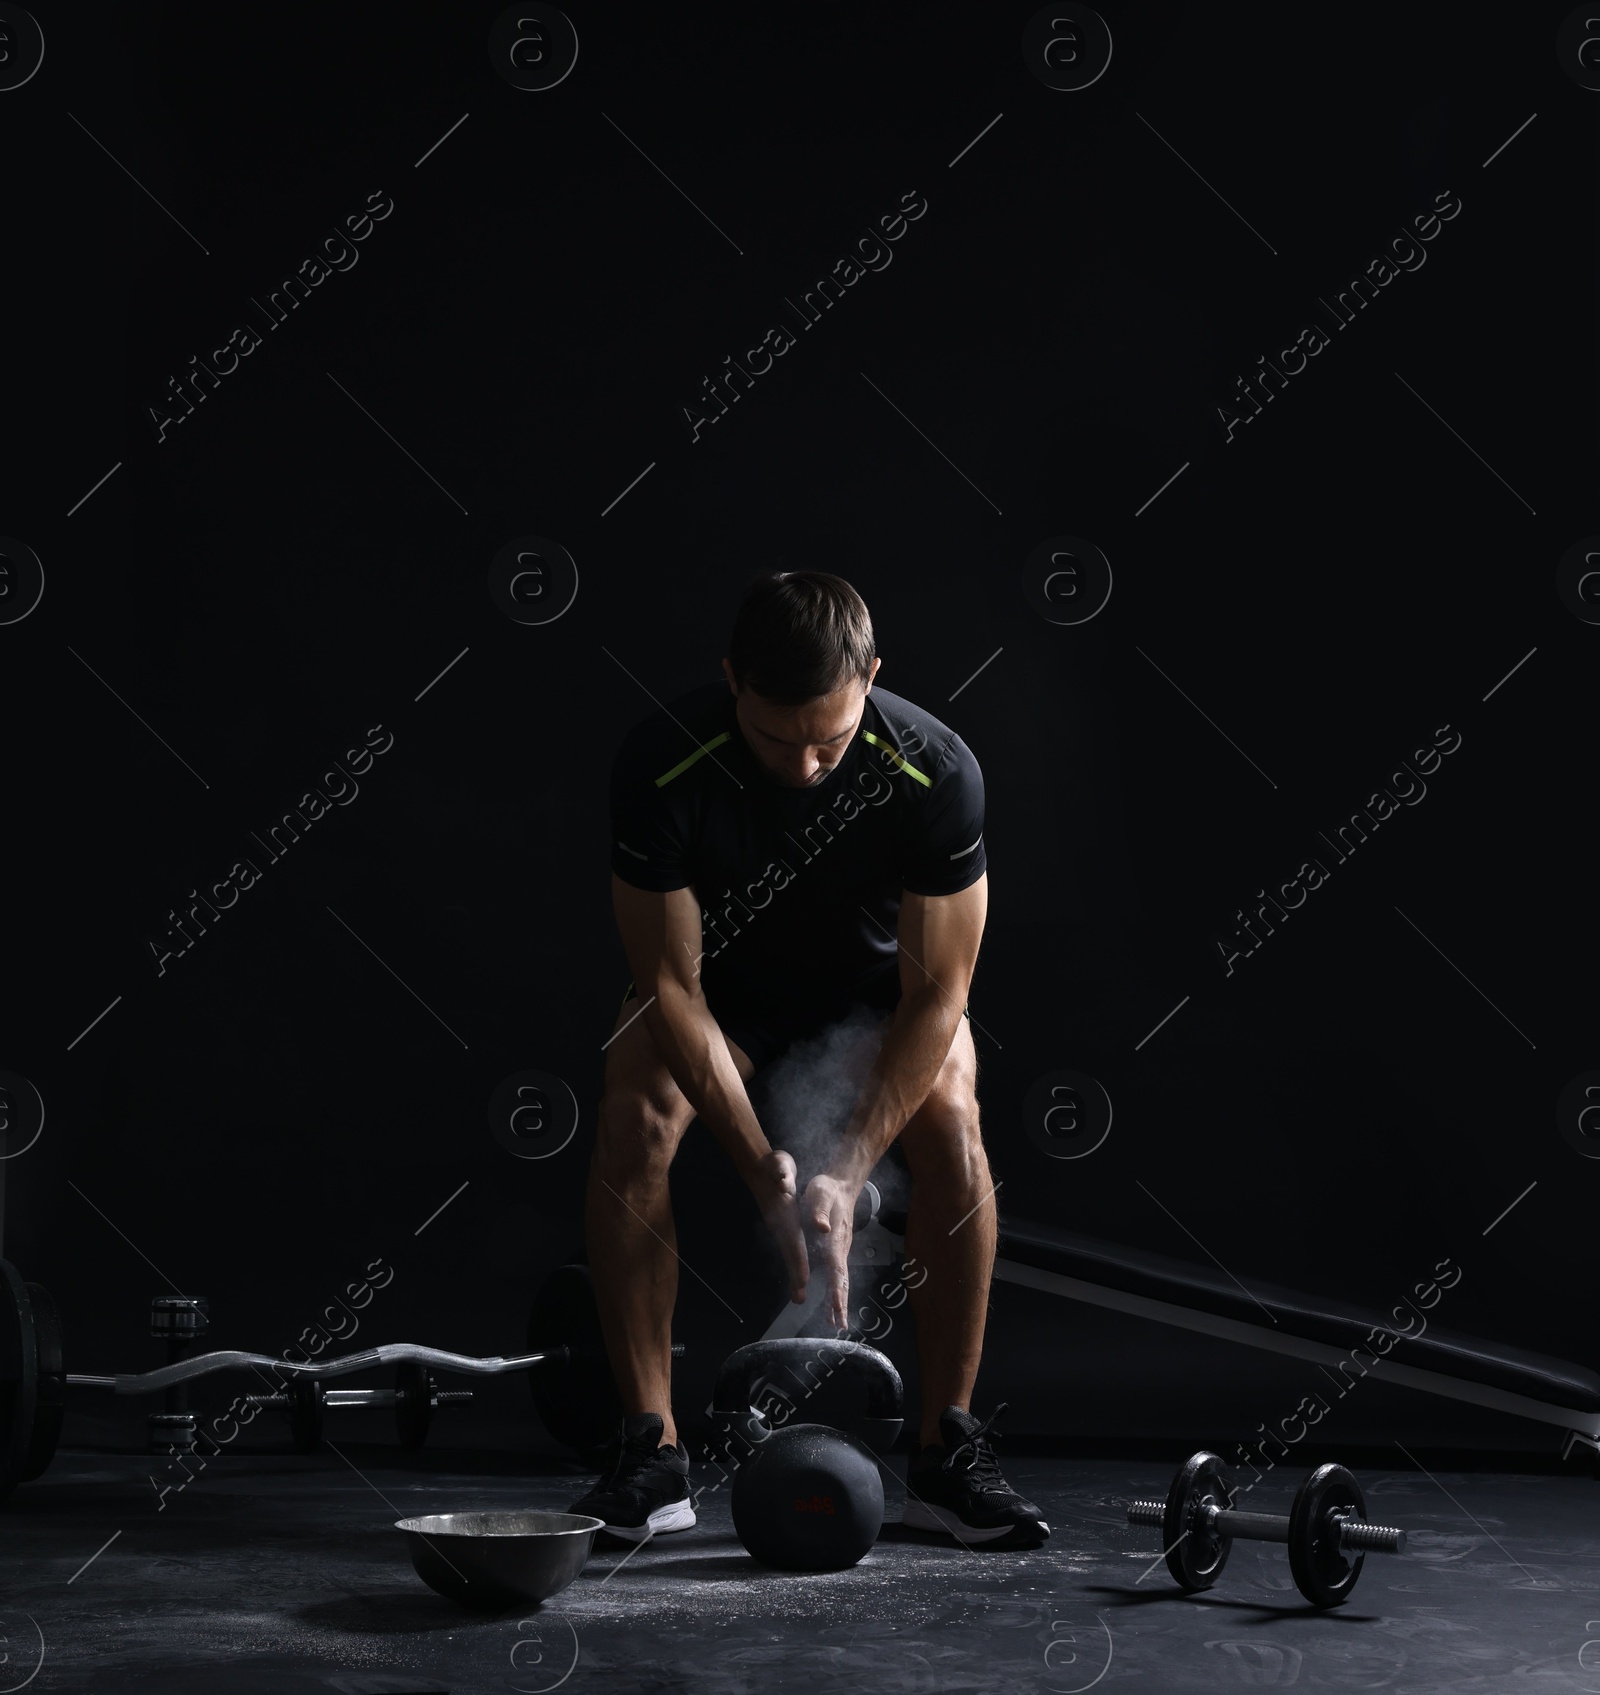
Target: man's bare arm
column 661, row 937
column 939, row 940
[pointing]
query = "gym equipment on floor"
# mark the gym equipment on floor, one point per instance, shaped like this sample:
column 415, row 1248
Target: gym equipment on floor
column 1326, row 1530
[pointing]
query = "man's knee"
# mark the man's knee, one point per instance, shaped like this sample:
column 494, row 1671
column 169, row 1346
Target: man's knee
column 636, row 1137
column 944, row 1132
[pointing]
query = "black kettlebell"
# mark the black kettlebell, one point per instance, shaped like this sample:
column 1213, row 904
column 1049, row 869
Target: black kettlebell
column 806, row 1497
column 809, row 1499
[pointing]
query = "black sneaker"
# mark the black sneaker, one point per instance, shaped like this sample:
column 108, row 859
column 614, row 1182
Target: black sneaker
column 646, row 1491
column 957, row 1488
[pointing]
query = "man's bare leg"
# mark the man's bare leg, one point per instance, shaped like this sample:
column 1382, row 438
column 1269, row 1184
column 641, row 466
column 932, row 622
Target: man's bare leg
column 629, row 1228
column 951, row 1234
column 633, row 1262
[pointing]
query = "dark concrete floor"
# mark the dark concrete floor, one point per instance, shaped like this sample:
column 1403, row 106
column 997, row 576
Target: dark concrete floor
column 273, row 1573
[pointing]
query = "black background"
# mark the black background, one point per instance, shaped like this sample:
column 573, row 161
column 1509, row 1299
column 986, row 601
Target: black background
column 277, row 576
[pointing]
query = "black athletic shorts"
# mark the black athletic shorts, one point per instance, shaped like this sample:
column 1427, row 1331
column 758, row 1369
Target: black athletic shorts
column 764, row 1034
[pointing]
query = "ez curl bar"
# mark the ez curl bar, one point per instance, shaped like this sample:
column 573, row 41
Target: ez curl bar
column 565, row 1359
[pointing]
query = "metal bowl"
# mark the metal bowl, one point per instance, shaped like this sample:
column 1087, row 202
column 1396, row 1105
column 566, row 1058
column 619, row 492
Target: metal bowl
column 492, row 1560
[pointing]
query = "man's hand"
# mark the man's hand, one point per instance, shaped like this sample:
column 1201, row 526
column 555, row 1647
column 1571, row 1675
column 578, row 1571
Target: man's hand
column 828, row 1212
column 772, row 1182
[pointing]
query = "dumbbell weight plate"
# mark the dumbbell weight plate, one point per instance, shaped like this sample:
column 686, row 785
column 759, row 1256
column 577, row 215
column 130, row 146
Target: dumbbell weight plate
column 19, row 1377
column 1322, row 1572
column 306, row 1413
column 413, row 1406
column 50, row 1394
column 1195, row 1556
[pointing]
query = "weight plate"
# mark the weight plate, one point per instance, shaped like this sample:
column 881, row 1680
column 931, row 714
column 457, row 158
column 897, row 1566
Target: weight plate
column 413, row 1407
column 51, row 1391
column 19, row 1377
column 1196, row 1555
column 1322, row 1572
column 307, row 1400
column 577, row 1400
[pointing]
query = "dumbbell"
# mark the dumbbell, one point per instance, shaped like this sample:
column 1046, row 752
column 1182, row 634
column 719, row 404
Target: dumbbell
column 413, row 1398
column 1327, row 1523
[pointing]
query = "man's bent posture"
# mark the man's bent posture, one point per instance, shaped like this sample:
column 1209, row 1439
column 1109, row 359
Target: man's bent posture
column 787, row 847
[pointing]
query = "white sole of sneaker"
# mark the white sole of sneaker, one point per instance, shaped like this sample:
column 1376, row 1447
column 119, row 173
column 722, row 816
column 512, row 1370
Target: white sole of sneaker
column 676, row 1515
column 922, row 1516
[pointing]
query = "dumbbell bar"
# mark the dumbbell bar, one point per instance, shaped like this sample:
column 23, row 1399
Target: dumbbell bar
column 1274, row 1527
column 1199, row 1523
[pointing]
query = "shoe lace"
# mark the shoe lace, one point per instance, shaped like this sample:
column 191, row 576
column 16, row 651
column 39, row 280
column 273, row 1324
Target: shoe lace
column 976, row 1456
column 634, row 1459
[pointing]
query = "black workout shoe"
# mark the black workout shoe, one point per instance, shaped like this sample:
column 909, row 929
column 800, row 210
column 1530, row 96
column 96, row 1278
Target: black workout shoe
column 957, row 1488
column 646, row 1491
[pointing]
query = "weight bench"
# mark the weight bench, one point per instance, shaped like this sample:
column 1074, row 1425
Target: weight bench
column 1319, row 1328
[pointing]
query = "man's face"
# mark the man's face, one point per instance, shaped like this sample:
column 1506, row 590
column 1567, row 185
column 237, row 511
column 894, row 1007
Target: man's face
column 799, row 745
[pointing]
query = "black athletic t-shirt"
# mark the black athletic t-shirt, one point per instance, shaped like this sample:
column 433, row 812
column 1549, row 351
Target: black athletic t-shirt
column 799, row 889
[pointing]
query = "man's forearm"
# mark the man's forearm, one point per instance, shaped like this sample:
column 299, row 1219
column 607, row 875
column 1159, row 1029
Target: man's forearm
column 695, row 1051
column 906, row 1068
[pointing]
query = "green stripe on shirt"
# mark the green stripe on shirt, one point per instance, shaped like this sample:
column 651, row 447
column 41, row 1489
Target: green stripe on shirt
column 703, row 749
column 894, row 753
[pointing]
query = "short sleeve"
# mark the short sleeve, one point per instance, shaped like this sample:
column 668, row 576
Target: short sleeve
column 944, row 851
column 647, row 845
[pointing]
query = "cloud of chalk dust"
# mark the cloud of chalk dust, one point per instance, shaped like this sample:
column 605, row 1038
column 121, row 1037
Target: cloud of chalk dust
column 806, row 1096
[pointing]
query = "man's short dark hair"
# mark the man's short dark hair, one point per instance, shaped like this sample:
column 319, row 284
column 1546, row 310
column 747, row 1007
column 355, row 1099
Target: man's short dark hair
column 800, row 634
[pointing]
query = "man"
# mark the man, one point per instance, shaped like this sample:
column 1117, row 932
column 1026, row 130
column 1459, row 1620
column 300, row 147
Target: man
column 784, row 851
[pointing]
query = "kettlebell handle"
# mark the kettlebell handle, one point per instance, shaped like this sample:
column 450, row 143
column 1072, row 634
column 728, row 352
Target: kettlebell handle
column 793, row 1366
